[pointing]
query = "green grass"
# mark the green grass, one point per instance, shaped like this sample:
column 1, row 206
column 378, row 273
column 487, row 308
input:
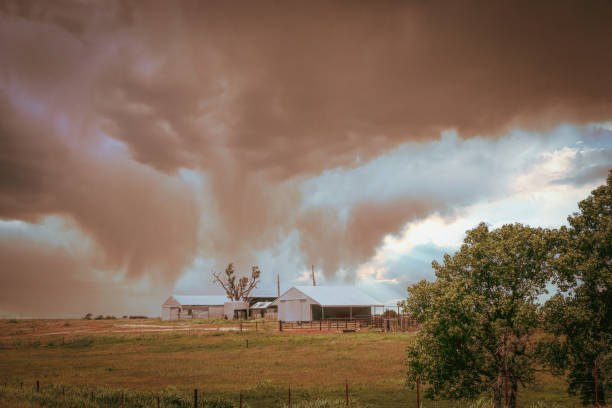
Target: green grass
column 220, row 366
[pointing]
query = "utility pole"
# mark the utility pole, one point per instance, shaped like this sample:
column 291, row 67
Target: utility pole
column 313, row 279
column 277, row 285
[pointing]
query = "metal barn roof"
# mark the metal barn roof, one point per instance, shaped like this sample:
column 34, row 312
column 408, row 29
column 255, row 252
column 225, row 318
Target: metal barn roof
column 338, row 296
column 261, row 305
column 201, row 300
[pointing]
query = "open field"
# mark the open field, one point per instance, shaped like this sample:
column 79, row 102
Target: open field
column 152, row 356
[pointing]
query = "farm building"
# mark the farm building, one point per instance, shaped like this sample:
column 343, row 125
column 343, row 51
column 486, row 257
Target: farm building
column 307, row 303
column 178, row 307
column 264, row 310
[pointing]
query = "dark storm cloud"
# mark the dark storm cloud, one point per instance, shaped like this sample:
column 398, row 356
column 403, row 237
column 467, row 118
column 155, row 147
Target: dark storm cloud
column 255, row 97
column 331, row 243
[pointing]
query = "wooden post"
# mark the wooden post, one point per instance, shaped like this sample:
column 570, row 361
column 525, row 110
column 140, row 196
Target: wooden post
column 122, row 399
column 158, row 401
column 255, row 326
column 92, row 395
column 596, row 394
column 195, row 398
column 37, row 386
column 63, row 392
column 320, row 325
column 247, row 343
column 21, row 385
column 240, row 327
column 280, row 325
column 240, row 399
column 347, row 393
column 277, row 285
column 289, row 396
column 418, row 386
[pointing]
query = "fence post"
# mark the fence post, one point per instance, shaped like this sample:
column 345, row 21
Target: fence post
column 158, row 401
column 21, row 385
column 247, row 343
column 240, row 399
column 63, row 392
column 195, row 398
column 256, row 326
column 240, row 327
column 280, row 325
column 320, row 325
column 92, row 395
column 347, row 393
column 122, row 399
column 37, row 386
column 289, row 396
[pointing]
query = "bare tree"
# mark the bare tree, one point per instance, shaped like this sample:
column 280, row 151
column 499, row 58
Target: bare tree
column 237, row 290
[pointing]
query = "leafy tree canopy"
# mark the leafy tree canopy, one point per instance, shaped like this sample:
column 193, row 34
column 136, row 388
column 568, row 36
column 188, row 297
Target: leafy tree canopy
column 479, row 315
column 581, row 317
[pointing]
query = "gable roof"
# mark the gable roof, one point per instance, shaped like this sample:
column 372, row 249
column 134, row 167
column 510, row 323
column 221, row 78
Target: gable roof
column 186, row 300
column 338, row 296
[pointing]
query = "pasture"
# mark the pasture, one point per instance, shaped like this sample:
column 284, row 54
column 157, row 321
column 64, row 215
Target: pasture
column 161, row 358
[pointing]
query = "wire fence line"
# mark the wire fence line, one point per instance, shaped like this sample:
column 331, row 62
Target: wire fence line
column 72, row 396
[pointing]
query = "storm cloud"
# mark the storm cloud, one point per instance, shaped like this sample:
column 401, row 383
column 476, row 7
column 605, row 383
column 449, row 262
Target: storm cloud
column 170, row 131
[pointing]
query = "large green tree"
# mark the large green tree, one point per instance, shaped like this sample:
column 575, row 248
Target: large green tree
column 479, row 315
column 581, row 316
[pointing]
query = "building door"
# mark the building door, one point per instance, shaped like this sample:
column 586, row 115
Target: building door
column 293, row 311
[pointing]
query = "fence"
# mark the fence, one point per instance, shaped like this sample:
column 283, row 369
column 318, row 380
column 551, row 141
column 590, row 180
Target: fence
column 65, row 395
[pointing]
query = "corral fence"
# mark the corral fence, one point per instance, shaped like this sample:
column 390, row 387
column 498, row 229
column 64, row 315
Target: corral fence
column 381, row 323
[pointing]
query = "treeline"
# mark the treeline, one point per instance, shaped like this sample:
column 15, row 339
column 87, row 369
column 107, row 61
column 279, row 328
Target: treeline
column 485, row 329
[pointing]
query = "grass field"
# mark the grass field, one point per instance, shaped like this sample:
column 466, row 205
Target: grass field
column 151, row 357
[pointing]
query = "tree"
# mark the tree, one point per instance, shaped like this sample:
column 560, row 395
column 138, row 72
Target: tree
column 479, row 315
column 581, row 316
column 237, row 290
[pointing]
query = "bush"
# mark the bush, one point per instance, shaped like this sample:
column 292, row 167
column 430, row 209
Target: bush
column 88, row 316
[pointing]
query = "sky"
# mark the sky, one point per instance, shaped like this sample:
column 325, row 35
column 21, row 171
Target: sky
column 144, row 145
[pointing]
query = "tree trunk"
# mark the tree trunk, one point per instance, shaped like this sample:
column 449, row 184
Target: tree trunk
column 513, row 392
column 498, row 392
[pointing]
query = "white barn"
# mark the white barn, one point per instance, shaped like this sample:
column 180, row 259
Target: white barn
column 178, row 307
column 308, row 303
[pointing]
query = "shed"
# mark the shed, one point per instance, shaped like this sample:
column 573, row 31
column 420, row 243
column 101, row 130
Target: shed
column 235, row 309
column 180, row 307
column 265, row 310
column 307, row 303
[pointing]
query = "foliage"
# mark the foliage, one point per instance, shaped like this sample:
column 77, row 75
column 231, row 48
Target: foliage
column 479, row 316
column 88, row 316
column 322, row 402
column 237, row 290
column 101, row 397
column 485, row 402
column 581, row 317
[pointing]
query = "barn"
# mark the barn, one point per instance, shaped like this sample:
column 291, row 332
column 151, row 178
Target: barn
column 179, row 307
column 308, row 303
